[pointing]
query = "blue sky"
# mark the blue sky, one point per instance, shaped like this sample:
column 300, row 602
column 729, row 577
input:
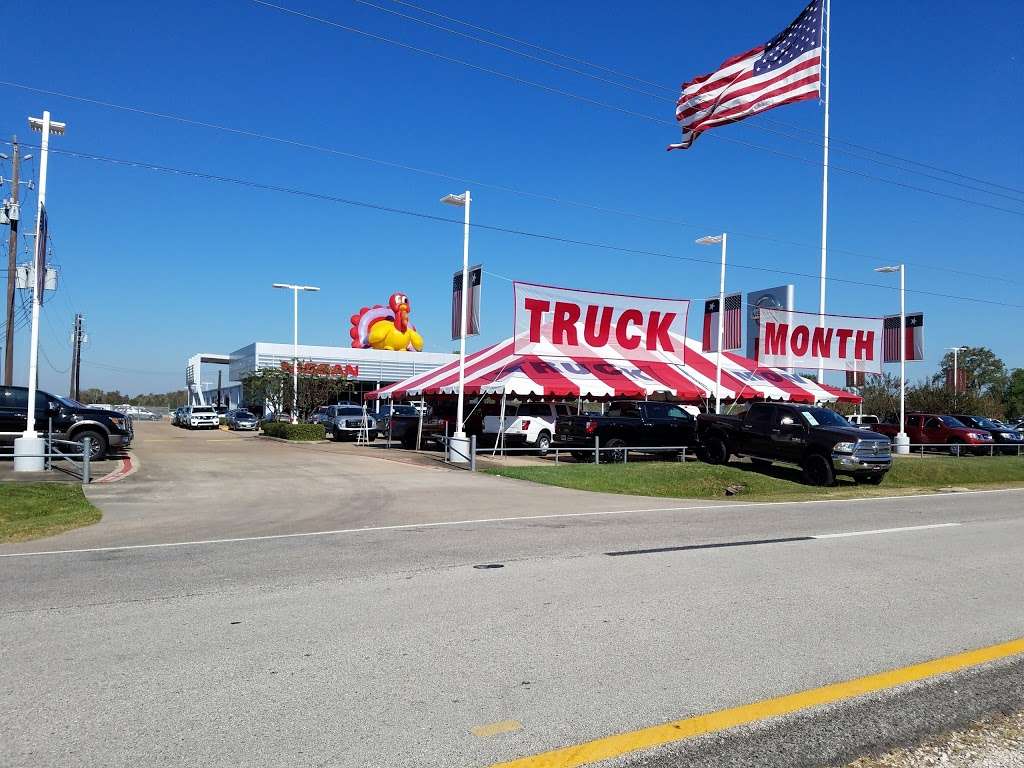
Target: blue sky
column 164, row 266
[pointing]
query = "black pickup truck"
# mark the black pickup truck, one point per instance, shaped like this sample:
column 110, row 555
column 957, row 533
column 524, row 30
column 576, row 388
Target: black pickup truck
column 626, row 423
column 819, row 441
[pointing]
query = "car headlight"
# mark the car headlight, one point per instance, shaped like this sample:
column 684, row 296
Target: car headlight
column 118, row 421
column 979, row 436
column 843, row 447
column 1009, row 435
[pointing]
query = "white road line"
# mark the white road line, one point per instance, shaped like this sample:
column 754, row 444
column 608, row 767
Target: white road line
column 885, row 530
column 486, row 520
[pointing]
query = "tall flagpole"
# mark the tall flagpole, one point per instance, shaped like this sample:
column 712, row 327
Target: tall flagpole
column 824, row 182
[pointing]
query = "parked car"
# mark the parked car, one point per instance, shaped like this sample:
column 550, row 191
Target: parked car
column 940, row 431
column 70, row 420
column 345, row 422
column 241, row 419
column 178, row 417
column 864, row 420
column 102, row 407
column 201, row 417
column 627, row 423
column 530, row 425
column 385, row 411
column 819, row 441
column 1009, row 439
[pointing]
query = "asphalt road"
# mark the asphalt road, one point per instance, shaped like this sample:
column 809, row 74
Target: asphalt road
column 344, row 646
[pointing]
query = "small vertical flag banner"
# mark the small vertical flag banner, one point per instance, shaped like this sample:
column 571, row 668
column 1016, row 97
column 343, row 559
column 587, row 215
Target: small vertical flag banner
column 42, row 237
column 959, row 382
column 731, row 332
column 914, row 332
column 472, row 302
column 784, row 70
column 856, row 377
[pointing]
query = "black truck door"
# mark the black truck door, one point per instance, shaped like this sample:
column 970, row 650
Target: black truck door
column 755, row 438
column 13, row 411
column 788, row 435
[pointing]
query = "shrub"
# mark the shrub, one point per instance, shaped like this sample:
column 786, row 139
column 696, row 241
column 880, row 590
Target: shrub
column 288, row 431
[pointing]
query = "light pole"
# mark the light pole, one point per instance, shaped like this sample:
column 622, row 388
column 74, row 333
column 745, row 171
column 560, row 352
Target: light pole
column 28, row 448
column 902, row 441
column 459, row 451
column 714, row 240
column 295, row 343
column 956, row 369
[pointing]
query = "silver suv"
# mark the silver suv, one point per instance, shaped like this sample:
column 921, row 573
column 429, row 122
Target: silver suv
column 202, row 417
column 344, row 422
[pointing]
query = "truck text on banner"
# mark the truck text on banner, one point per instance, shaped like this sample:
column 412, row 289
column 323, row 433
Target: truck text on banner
column 792, row 339
column 585, row 324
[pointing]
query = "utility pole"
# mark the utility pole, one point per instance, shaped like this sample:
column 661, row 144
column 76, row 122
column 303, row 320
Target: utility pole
column 218, row 387
column 76, row 358
column 12, row 257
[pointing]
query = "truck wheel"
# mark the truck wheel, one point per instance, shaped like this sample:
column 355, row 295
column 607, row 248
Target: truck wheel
column 98, row 450
column 615, row 454
column 818, row 470
column 716, row 451
column 582, row 456
column 543, row 443
column 958, row 448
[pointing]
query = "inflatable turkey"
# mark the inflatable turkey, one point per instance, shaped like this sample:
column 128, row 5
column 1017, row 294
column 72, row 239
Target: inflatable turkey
column 380, row 327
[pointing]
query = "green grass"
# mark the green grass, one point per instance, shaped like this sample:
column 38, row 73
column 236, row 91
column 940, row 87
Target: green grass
column 696, row 480
column 35, row 510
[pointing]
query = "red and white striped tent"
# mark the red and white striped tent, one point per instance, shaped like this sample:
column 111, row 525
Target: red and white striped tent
column 499, row 370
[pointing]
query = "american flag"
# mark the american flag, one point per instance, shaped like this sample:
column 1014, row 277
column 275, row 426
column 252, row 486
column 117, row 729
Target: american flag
column 785, row 70
column 731, row 334
column 891, row 338
column 472, row 304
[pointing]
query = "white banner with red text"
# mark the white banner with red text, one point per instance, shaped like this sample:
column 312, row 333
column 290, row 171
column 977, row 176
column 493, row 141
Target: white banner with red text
column 792, row 339
column 587, row 324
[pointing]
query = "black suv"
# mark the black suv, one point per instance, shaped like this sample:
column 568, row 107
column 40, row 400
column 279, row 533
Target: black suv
column 71, row 420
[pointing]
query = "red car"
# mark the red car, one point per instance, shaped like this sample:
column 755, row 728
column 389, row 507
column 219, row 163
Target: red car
column 934, row 429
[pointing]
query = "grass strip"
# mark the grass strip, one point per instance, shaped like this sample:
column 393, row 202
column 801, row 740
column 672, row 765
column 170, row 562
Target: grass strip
column 34, row 510
column 696, row 480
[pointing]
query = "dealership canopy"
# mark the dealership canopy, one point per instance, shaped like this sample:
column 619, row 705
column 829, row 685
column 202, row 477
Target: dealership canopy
column 548, row 372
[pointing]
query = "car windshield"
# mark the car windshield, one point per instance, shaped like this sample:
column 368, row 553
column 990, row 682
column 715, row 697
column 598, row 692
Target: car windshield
column 202, row 411
column 350, row 411
column 823, row 417
column 983, row 423
column 69, row 402
column 949, row 421
column 243, row 415
column 404, row 410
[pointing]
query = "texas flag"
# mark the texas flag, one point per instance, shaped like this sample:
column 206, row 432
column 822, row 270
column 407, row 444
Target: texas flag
column 731, row 333
column 913, row 331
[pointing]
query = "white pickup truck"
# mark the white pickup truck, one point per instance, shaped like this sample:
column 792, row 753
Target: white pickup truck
column 530, row 425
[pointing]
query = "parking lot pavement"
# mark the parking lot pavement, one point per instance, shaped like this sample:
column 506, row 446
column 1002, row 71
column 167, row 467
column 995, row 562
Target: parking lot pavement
column 207, row 484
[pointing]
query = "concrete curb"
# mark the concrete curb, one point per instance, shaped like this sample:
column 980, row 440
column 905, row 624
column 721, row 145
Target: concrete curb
column 293, row 442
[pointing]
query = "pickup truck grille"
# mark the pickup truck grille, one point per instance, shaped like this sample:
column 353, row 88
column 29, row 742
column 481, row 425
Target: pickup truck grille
column 869, row 449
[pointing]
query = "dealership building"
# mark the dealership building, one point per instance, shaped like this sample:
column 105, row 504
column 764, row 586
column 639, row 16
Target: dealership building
column 368, row 369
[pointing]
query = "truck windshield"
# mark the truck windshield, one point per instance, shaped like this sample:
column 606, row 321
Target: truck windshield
column 824, row 417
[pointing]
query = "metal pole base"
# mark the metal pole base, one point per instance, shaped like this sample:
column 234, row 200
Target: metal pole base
column 28, row 453
column 458, row 448
column 902, row 444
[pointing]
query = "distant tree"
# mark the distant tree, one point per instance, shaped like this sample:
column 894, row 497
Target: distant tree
column 272, row 388
column 935, row 397
column 1013, row 394
column 984, row 371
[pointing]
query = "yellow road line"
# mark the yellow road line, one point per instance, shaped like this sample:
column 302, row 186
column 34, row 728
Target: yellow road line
column 493, row 729
column 620, row 744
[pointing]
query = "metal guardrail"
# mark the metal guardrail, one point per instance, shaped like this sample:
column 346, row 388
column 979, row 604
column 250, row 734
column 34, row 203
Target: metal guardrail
column 964, row 449
column 80, row 469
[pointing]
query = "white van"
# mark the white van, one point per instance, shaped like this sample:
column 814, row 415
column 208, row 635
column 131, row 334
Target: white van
column 529, row 424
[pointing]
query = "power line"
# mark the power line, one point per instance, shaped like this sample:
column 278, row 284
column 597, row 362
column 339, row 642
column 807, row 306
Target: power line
column 491, row 227
column 672, row 90
column 622, row 110
column 476, row 182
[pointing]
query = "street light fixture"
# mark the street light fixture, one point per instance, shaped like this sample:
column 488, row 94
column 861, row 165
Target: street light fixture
column 902, row 441
column 295, row 342
column 956, row 351
column 715, row 240
column 459, row 447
